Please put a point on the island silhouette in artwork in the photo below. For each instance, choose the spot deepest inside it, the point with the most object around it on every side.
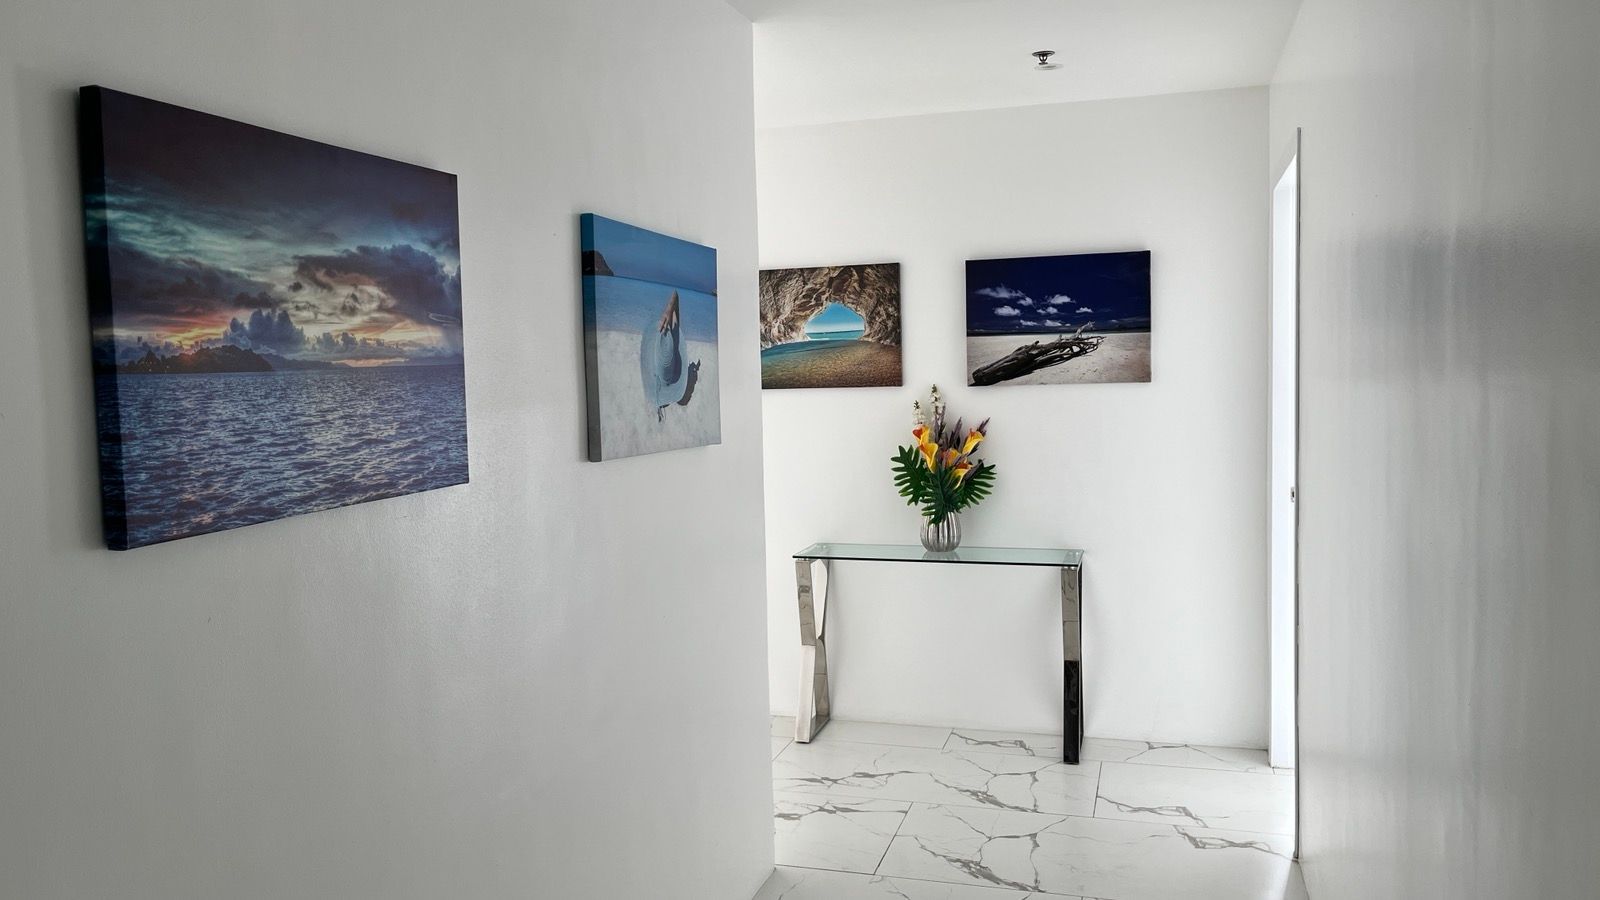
(276, 322)
(831, 326)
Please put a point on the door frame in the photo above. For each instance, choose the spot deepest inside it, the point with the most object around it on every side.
(1289, 157)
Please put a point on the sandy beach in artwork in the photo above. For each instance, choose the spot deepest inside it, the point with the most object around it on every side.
(1122, 356)
(819, 364)
(628, 424)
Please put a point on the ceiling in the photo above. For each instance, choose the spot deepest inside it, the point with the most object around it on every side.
(839, 60)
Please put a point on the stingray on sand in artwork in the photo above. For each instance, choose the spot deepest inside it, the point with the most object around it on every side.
(650, 340)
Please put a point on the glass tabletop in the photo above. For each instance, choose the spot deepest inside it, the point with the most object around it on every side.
(991, 556)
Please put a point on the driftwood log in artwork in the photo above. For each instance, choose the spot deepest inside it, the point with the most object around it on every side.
(1036, 356)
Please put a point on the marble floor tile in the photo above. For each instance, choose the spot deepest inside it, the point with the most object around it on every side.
(1011, 743)
(839, 833)
(880, 733)
(953, 777)
(783, 726)
(814, 884)
(1193, 756)
(1086, 857)
(778, 743)
(1201, 797)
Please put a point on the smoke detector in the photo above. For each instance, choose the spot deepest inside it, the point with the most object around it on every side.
(1045, 65)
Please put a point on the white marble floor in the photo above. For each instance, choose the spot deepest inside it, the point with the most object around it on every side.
(869, 811)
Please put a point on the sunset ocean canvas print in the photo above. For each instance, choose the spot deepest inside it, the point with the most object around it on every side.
(276, 322)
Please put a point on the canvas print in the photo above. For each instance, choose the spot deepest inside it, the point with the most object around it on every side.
(1076, 319)
(276, 322)
(650, 340)
(831, 326)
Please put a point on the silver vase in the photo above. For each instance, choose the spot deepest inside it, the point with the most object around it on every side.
(943, 537)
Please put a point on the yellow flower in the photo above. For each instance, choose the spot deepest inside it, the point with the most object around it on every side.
(920, 433)
(962, 470)
(974, 438)
(950, 457)
(929, 451)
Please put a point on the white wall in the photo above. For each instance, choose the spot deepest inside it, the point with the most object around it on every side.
(1164, 484)
(515, 688)
(1450, 478)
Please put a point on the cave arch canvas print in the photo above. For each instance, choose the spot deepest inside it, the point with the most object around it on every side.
(1078, 319)
(831, 326)
(650, 340)
(276, 322)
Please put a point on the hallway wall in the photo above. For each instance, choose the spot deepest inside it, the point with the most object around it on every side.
(1450, 477)
(1163, 484)
(521, 687)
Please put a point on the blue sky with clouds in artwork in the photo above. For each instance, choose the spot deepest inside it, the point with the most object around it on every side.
(1042, 294)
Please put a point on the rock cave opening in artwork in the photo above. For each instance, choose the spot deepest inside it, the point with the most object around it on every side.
(831, 326)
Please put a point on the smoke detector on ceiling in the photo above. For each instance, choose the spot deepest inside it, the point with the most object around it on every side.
(1045, 65)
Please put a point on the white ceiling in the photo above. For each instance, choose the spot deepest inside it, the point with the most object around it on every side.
(840, 60)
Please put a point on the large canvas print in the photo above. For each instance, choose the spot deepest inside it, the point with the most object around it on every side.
(276, 322)
(1074, 319)
(650, 340)
(831, 326)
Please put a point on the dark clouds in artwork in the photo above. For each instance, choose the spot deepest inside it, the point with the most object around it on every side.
(412, 281)
(222, 232)
(266, 331)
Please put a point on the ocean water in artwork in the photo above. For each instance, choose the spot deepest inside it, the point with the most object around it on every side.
(276, 322)
(650, 329)
(286, 443)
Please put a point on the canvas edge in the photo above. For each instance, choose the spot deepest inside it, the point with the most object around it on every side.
(591, 342)
(97, 271)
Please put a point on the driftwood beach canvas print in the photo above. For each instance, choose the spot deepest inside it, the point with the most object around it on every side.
(650, 340)
(1076, 319)
(831, 326)
(276, 322)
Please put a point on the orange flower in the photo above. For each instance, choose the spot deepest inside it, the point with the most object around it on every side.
(974, 438)
(920, 433)
(949, 458)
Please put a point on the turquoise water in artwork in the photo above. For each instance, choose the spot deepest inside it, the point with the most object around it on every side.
(631, 305)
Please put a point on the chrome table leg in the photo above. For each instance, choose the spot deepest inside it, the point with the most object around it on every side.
(814, 701)
(1072, 661)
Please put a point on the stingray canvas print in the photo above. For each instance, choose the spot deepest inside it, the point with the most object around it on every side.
(276, 322)
(650, 340)
(831, 326)
(1078, 319)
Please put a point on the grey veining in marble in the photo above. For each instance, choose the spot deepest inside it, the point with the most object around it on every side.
(1192, 756)
(812, 884)
(847, 835)
(1033, 852)
(1206, 798)
(1011, 743)
(953, 777)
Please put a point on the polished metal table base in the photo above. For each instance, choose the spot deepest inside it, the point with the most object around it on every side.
(814, 703)
(811, 579)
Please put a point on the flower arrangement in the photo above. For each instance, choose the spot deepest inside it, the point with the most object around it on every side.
(937, 473)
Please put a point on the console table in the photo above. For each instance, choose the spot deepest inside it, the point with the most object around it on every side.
(811, 579)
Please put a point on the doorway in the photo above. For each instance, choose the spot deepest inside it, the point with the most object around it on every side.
(1285, 418)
